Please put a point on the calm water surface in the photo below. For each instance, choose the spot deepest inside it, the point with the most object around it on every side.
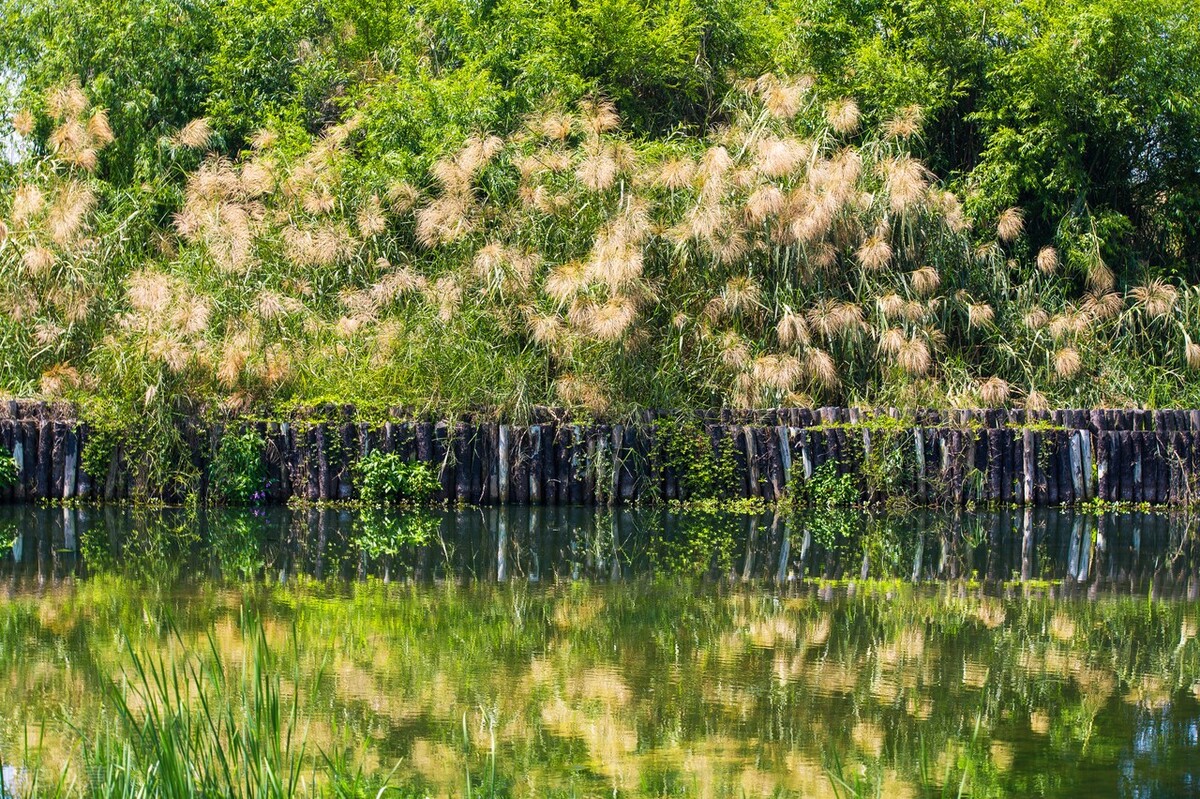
(645, 654)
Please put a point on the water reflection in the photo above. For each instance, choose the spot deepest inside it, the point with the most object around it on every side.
(664, 688)
(1140, 553)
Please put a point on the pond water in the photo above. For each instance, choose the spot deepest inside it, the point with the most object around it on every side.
(563, 652)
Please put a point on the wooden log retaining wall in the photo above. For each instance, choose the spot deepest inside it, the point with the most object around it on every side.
(1063, 457)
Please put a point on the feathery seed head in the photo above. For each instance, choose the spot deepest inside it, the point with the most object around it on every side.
(980, 314)
(874, 253)
(832, 318)
(776, 158)
(1036, 318)
(905, 123)
(23, 123)
(843, 116)
(821, 368)
(1010, 225)
(675, 173)
(1105, 305)
(1036, 401)
(779, 372)
(66, 100)
(195, 135)
(1067, 362)
(741, 293)
(98, 128)
(994, 391)
(371, 221)
(925, 281)
(891, 306)
(545, 329)
(766, 201)
(611, 319)
(906, 181)
(891, 341)
(565, 281)
(1192, 354)
(598, 170)
(792, 330)
(599, 116)
(1157, 298)
(401, 197)
(256, 179)
(914, 357)
(39, 260)
(1047, 260)
(27, 203)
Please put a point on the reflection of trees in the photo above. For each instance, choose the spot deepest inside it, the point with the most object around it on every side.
(641, 686)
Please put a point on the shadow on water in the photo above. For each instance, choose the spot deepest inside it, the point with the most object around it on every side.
(1141, 553)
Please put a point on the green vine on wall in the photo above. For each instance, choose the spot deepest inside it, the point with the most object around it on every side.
(8, 470)
(703, 472)
(239, 471)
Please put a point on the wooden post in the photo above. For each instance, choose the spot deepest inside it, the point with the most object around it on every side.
(806, 455)
(1125, 466)
(995, 464)
(1076, 455)
(70, 461)
(57, 458)
(922, 486)
(1029, 466)
(785, 456)
(536, 465)
(503, 460)
(578, 466)
(616, 457)
(751, 461)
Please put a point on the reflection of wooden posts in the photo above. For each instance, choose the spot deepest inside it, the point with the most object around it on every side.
(751, 543)
(1027, 544)
(502, 545)
(785, 551)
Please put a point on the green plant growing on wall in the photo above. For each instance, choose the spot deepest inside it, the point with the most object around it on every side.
(8, 470)
(239, 473)
(385, 478)
(827, 503)
(703, 473)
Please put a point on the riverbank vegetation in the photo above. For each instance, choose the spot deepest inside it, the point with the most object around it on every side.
(452, 206)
